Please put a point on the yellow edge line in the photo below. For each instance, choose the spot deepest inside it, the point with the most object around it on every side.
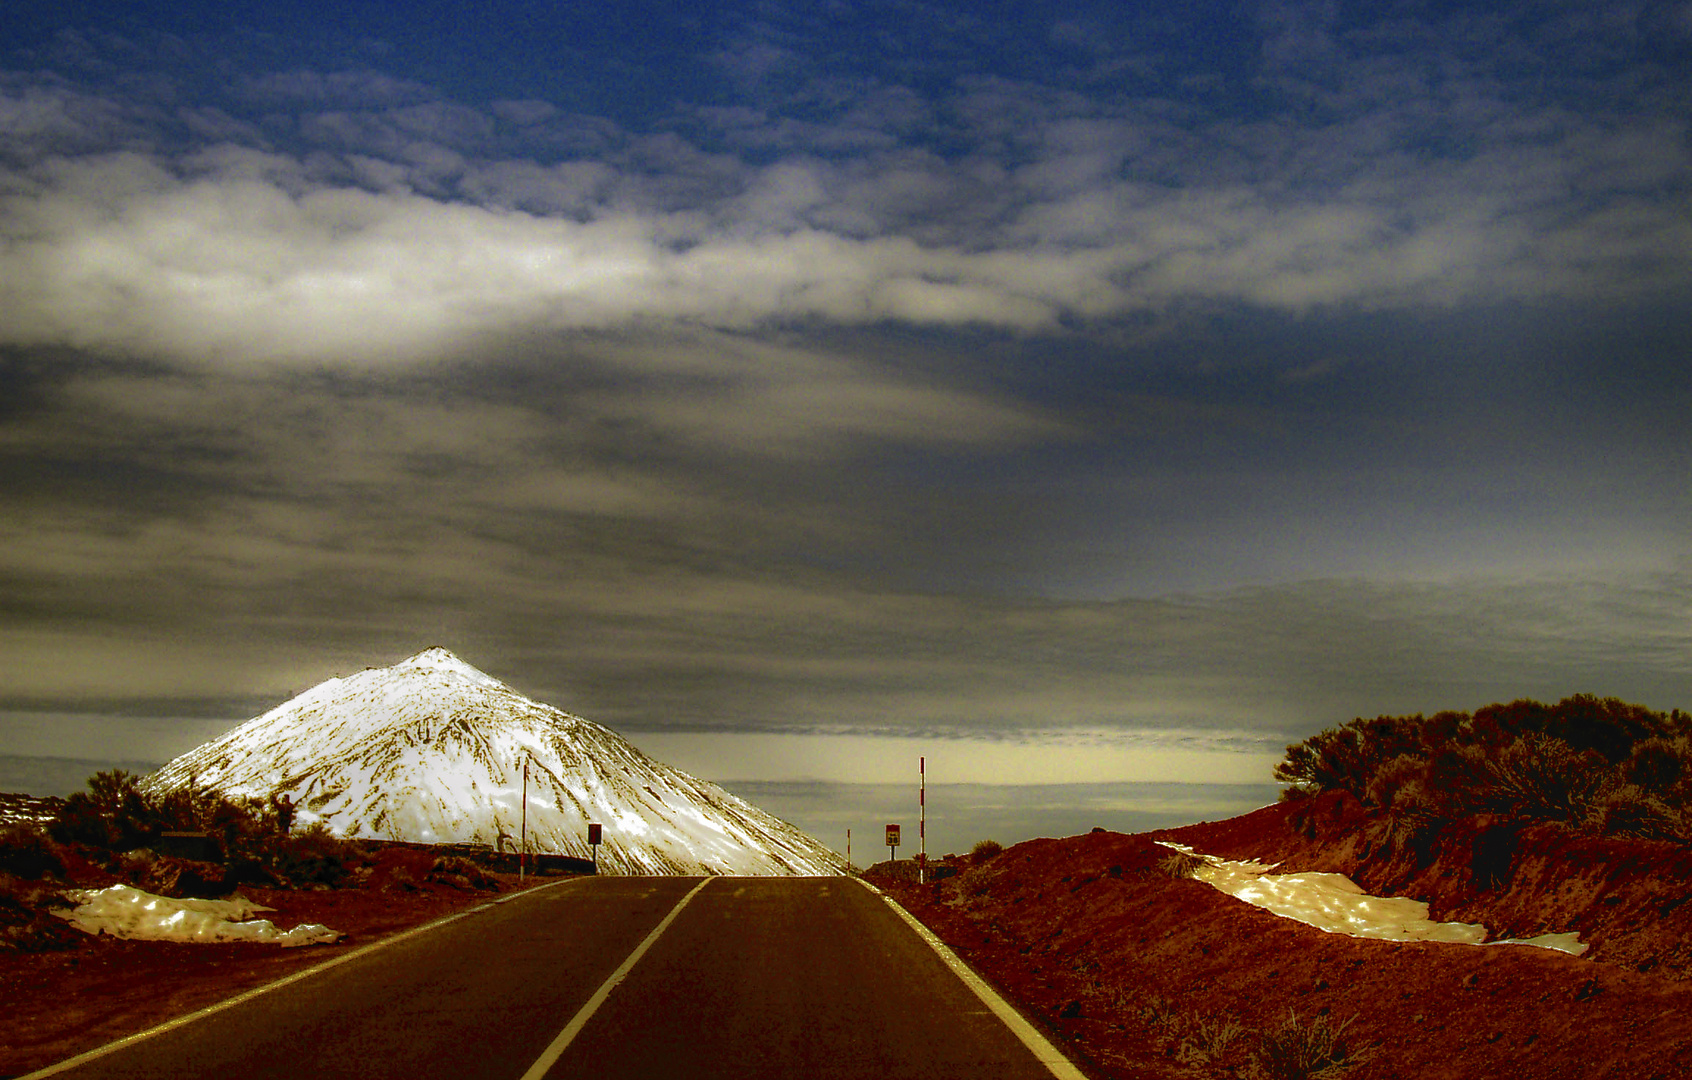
(1040, 1046)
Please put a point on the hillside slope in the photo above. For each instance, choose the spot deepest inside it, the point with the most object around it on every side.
(1626, 897)
(1148, 975)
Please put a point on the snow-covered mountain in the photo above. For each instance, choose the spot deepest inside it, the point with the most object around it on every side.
(432, 750)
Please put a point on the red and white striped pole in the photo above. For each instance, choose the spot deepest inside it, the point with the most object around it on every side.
(922, 820)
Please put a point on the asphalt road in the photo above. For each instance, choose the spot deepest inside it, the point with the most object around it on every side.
(617, 978)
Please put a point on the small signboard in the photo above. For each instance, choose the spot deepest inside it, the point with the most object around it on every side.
(593, 834)
(892, 836)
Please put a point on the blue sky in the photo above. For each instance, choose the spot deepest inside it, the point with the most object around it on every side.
(956, 372)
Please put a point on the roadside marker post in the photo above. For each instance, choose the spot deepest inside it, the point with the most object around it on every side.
(892, 842)
(922, 821)
(593, 843)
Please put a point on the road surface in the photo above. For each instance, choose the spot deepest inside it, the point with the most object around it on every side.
(616, 979)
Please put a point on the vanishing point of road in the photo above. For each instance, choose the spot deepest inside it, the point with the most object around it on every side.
(618, 979)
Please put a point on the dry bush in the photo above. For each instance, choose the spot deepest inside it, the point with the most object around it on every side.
(247, 842)
(29, 852)
(1659, 764)
(26, 922)
(985, 849)
(1209, 1040)
(459, 871)
(1181, 864)
(1569, 762)
(112, 814)
(1540, 776)
(1158, 1012)
(1414, 815)
(165, 876)
(1629, 810)
(1385, 786)
(1309, 1050)
(314, 856)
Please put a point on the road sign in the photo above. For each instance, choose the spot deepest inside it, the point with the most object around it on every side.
(892, 836)
(593, 833)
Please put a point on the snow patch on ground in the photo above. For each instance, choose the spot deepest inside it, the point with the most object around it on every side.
(1338, 905)
(127, 912)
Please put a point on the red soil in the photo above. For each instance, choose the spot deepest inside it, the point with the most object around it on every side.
(1626, 898)
(1134, 969)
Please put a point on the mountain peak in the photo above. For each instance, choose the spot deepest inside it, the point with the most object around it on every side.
(443, 660)
(431, 750)
(435, 656)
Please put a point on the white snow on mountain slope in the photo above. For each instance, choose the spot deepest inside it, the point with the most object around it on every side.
(432, 750)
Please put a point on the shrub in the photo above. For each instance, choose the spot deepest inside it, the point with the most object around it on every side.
(1313, 1050)
(184, 878)
(1323, 762)
(1607, 727)
(1347, 757)
(1544, 777)
(459, 871)
(1158, 1012)
(1627, 810)
(1181, 864)
(985, 849)
(1568, 762)
(1209, 1039)
(304, 867)
(1413, 815)
(1388, 781)
(111, 814)
(116, 815)
(1658, 764)
(28, 852)
(25, 922)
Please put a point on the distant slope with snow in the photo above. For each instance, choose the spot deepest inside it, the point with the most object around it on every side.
(432, 750)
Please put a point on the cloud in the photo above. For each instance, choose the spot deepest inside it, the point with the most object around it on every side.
(260, 594)
(355, 216)
(780, 404)
(117, 254)
(48, 115)
(121, 254)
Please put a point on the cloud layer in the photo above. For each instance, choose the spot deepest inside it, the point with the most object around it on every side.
(879, 368)
(357, 217)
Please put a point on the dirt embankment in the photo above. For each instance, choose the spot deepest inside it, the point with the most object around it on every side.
(1626, 898)
(1151, 976)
